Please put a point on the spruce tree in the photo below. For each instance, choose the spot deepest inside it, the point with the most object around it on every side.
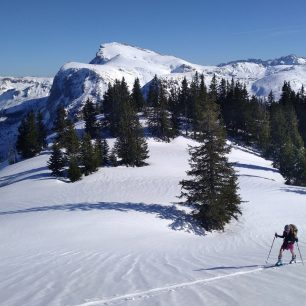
(74, 172)
(70, 139)
(88, 157)
(212, 187)
(131, 146)
(89, 113)
(159, 119)
(137, 97)
(184, 99)
(56, 161)
(60, 125)
(105, 152)
(27, 141)
(42, 131)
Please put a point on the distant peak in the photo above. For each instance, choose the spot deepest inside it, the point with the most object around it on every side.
(290, 59)
(108, 51)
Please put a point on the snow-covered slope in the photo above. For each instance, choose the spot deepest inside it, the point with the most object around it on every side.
(116, 238)
(17, 97)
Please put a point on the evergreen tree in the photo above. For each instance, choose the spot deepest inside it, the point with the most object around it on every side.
(175, 112)
(113, 157)
(105, 152)
(212, 187)
(27, 141)
(101, 149)
(60, 125)
(159, 119)
(131, 145)
(88, 157)
(56, 161)
(74, 172)
(152, 97)
(114, 99)
(184, 99)
(137, 97)
(71, 141)
(89, 113)
(42, 131)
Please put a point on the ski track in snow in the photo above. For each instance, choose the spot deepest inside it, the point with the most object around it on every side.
(171, 288)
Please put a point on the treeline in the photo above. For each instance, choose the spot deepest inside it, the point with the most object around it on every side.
(276, 128)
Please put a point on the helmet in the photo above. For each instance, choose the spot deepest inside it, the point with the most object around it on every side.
(287, 228)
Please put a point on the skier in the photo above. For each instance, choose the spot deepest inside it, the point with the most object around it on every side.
(290, 238)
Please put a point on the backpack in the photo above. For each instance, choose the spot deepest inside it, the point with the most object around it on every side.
(294, 229)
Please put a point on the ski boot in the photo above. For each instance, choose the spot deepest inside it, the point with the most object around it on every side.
(279, 262)
(293, 260)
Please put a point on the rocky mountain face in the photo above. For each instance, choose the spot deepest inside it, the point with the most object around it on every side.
(17, 97)
(76, 82)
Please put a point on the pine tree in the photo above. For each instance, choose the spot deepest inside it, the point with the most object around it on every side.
(137, 97)
(212, 187)
(89, 113)
(70, 139)
(159, 119)
(27, 141)
(175, 112)
(184, 98)
(56, 161)
(131, 145)
(114, 99)
(42, 131)
(74, 172)
(113, 157)
(60, 125)
(105, 152)
(88, 157)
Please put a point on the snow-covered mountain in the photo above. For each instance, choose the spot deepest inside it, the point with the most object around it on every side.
(17, 97)
(291, 59)
(76, 82)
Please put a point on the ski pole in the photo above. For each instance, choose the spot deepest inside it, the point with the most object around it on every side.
(270, 250)
(300, 253)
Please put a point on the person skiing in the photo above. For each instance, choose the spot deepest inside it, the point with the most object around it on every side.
(290, 238)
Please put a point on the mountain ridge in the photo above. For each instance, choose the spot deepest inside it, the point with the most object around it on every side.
(75, 82)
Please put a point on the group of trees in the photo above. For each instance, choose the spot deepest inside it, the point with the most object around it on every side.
(85, 155)
(80, 155)
(205, 113)
(32, 135)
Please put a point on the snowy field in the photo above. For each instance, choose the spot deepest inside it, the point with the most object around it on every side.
(116, 238)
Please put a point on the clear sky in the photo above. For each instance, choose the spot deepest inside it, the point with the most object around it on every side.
(39, 36)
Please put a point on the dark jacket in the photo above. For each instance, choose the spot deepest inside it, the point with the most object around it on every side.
(288, 237)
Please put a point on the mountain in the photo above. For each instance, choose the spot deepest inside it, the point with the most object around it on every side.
(76, 82)
(284, 60)
(17, 97)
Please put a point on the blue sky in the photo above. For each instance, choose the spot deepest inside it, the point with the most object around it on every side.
(38, 37)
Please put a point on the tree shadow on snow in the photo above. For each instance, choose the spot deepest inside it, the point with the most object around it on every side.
(254, 167)
(181, 221)
(299, 190)
(25, 175)
(229, 268)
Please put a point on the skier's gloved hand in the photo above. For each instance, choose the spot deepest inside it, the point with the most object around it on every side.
(276, 235)
(296, 240)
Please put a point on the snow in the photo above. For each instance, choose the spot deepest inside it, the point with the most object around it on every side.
(118, 238)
